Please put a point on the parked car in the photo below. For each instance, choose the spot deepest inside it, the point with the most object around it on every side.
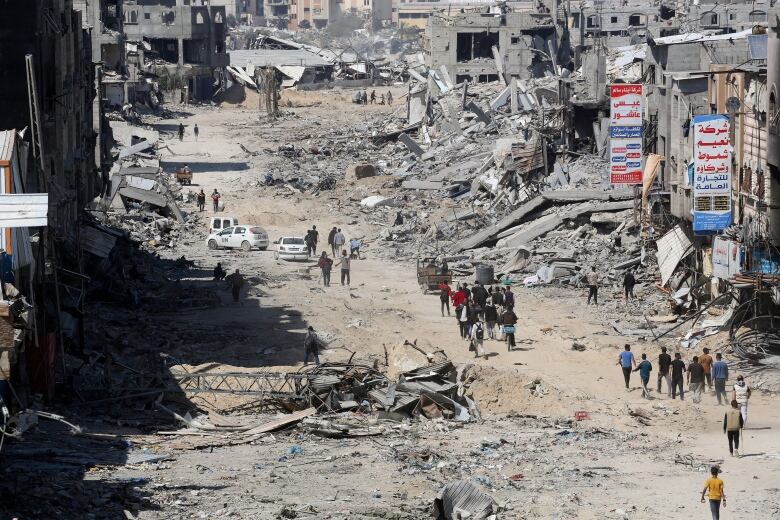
(245, 237)
(291, 248)
(217, 224)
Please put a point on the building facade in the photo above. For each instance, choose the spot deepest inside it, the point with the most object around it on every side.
(468, 42)
(182, 44)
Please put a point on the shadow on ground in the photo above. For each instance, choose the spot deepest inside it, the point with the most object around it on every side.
(137, 346)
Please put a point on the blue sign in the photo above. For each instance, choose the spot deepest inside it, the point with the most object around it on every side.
(625, 132)
(707, 223)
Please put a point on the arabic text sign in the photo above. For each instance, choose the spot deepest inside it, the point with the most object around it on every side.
(711, 173)
(625, 155)
(625, 105)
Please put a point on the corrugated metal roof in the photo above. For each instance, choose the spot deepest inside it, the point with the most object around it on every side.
(466, 497)
(705, 36)
(7, 141)
(672, 248)
(97, 242)
(275, 58)
(436, 368)
(24, 210)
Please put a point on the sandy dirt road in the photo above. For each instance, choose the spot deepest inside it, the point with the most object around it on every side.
(382, 308)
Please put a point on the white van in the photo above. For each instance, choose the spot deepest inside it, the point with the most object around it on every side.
(217, 224)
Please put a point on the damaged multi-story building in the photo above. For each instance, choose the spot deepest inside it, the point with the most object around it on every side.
(180, 43)
(482, 44)
(773, 122)
(47, 89)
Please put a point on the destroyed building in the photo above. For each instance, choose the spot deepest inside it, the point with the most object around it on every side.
(50, 173)
(183, 45)
(480, 45)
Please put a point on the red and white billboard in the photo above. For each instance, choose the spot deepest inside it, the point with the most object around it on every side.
(625, 104)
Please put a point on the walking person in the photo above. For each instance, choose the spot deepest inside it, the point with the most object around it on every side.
(236, 283)
(315, 238)
(444, 297)
(732, 427)
(389, 98)
(464, 315)
(706, 362)
(627, 362)
(331, 243)
(509, 298)
(628, 285)
(181, 131)
(196, 131)
(339, 240)
(354, 248)
(307, 241)
(592, 278)
(311, 346)
(713, 487)
(498, 299)
(215, 200)
(696, 379)
(475, 311)
(345, 266)
(325, 264)
(478, 339)
(720, 374)
(491, 317)
(664, 364)
(741, 393)
(508, 323)
(678, 376)
(644, 368)
(201, 200)
(459, 298)
(373, 97)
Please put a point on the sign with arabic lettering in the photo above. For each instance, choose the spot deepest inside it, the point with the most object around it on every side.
(625, 155)
(711, 173)
(625, 104)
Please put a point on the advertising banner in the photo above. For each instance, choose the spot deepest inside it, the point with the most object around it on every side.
(625, 133)
(625, 105)
(711, 173)
(625, 155)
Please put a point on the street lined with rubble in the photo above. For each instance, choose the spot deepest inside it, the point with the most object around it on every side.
(277, 259)
(627, 458)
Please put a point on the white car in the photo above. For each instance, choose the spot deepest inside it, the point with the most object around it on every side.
(245, 237)
(291, 248)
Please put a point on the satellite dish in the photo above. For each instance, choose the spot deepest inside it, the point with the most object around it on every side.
(732, 104)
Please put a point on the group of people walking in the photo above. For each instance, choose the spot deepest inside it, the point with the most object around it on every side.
(593, 282)
(215, 196)
(365, 98)
(478, 312)
(235, 280)
(702, 372)
(337, 242)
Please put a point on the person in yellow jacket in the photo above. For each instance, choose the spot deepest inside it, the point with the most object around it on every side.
(714, 489)
(732, 426)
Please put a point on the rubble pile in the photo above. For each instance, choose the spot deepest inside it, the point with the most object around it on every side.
(461, 174)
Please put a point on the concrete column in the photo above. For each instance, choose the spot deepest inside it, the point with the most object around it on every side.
(181, 51)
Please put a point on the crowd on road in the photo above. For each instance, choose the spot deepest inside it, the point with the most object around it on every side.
(481, 312)
(702, 372)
